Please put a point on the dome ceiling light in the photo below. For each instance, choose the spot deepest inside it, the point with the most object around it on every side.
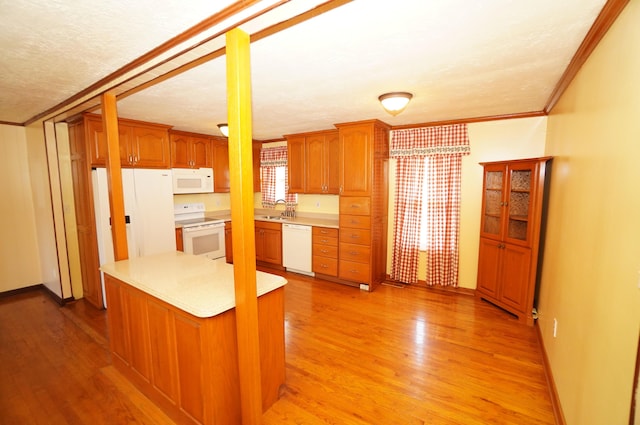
(395, 102)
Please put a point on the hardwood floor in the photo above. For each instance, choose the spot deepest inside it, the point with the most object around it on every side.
(393, 356)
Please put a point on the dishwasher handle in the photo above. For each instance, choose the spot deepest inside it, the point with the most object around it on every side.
(296, 227)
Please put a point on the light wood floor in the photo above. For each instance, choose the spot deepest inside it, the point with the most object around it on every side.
(393, 356)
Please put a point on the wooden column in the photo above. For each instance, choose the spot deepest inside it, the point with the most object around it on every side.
(244, 249)
(114, 176)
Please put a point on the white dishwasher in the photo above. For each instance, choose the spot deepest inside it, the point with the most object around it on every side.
(296, 248)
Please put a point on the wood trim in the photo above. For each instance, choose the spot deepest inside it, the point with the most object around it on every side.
(471, 120)
(423, 285)
(553, 390)
(12, 292)
(603, 22)
(325, 7)
(634, 390)
(17, 124)
(231, 10)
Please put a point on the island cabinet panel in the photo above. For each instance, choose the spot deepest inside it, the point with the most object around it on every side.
(193, 361)
(163, 348)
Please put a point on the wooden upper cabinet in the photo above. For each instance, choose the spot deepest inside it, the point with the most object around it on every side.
(356, 151)
(150, 147)
(296, 163)
(142, 145)
(190, 150)
(313, 161)
(322, 162)
(221, 178)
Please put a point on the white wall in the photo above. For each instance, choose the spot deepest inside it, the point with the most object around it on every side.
(490, 141)
(19, 253)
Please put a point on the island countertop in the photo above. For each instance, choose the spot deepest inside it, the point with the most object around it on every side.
(197, 285)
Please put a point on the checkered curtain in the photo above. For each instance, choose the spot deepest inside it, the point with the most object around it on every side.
(444, 146)
(270, 159)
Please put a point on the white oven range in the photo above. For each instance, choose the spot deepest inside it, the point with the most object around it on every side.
(200, 235)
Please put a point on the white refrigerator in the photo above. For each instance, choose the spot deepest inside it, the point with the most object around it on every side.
(148, 205)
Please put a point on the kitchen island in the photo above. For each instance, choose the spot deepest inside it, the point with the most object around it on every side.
(172, 332)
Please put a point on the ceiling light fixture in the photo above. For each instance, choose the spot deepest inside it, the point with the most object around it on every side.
(224, 129)
(395, 102)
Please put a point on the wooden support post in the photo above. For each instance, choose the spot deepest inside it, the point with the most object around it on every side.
(114, 176)
(244, 249)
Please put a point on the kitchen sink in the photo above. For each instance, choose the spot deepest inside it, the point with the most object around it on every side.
(271, 217)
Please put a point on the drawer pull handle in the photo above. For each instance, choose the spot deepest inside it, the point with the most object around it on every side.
(324, 251)
(353, 252)
(353, 271)
(324, 266)
(355, 236)
(324, 241)
(354, 221)
(324, 232)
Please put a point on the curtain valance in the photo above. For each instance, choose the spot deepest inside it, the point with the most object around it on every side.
(273, 157)
(430, 141)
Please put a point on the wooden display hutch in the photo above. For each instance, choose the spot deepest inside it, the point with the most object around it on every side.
(510, 230)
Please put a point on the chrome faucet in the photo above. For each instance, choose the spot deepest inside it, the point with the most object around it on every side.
(289, 211)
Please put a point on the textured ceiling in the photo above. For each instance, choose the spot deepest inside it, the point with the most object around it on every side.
(459, 58)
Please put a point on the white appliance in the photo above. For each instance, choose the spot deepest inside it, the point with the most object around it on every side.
(200, 235)
(148, 205)
(296, 248)
(192, 180)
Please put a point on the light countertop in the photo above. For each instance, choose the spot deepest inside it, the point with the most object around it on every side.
(197, 285)
(309, 219)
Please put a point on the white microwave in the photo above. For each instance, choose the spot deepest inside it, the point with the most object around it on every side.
(192, 180)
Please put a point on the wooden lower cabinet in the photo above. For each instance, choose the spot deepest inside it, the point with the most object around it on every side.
(179, 240)
(325, 251)
(189, 365)
(269, 242)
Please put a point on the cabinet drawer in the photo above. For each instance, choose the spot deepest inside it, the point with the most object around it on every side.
(325, 250)
(325, 231)
(324, 265)
(325, 240)
(356, 272)
(351, 252)
(358, 236)
(355, 221)
(356, 205)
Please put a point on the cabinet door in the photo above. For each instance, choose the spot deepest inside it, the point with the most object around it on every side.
(332, 163)
(315, 167)
(516, 263)
(355, 165)
(150, 147)
(489, 267)
(97, 142)
(221, 178)
(180, 151)
(272, 246)
(295, 164)
(201, 153)
(259, 244)
(493, 202)
(520, 195)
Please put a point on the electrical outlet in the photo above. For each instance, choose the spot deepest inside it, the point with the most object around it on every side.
(318, 204)
(555, 327)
